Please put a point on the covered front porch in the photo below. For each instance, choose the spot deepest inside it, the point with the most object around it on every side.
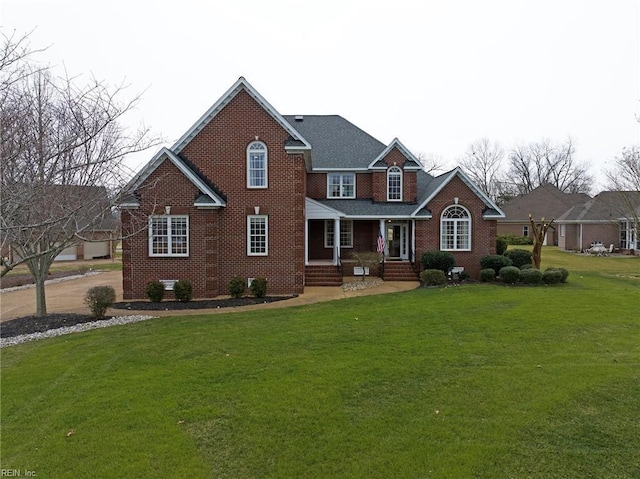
(331, 238)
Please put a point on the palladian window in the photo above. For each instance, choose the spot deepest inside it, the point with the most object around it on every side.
(455, 229)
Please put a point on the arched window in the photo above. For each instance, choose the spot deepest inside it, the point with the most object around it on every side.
(455, 229)
(257, 165)
(394, 184)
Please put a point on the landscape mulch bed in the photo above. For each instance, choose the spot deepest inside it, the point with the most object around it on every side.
(33, 324)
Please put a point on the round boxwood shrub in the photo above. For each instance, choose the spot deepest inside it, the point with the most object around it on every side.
(526, 266)
(531, 276)
(155, 291)
(259, 287)
(565, 273)
(433, 277)
(495, 262)
(519, 257)
(441, 260)
(487, 275)
(236, 286)
(552, 276)
(183, 290)
(99, 299)
(509, 274)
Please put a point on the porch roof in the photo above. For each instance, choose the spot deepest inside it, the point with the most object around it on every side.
(367, 209)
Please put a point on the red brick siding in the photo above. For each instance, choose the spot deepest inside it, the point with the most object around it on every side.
(483, 232)
(171, 188)
(219, 238)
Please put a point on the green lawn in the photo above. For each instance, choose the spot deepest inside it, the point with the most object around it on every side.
(469, 381)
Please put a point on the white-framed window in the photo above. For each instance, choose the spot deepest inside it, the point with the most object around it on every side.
(346, 233)
(257, 157)
(341, 185)
(394, 184)
(257, 235)
(455, 229)
(169, 235)
(525, 231)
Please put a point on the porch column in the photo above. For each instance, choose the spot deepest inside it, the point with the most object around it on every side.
(306, 242)
(336, 240)
(413, 240)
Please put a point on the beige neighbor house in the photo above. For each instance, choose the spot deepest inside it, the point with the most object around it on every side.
(547, 202)
(610, 218)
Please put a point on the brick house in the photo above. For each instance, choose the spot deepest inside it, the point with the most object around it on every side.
(546, 201)
(610, 218)
(249, 192)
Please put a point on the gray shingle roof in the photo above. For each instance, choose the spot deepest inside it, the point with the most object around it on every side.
(606, 206)
(545, 201)
(336, 143)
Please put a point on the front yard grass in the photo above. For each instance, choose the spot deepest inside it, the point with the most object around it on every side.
(468, 381)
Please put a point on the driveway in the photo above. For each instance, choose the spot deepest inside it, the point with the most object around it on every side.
(67, 296)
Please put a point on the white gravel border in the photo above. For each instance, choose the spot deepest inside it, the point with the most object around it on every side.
(78, 328)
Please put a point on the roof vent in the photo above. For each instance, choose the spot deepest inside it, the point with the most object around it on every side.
(299, 118)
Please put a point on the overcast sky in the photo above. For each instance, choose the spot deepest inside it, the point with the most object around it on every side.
(436, 74)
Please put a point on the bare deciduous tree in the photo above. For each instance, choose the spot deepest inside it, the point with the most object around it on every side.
(62, 147)
(624, 178)
(483, 163)
(431, 163)
(540, 163)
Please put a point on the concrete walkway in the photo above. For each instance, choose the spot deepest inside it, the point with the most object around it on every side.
(68, 297)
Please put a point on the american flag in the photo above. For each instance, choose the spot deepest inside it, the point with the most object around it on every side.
(380, 247)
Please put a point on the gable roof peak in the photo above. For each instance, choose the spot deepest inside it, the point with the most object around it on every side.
(241, 84)
(412, 162)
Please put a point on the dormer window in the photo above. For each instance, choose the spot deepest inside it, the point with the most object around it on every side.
(257, 165)
(394, 184)
(341, 185)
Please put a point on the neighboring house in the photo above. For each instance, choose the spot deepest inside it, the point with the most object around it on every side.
(83, 210)
(249, 192)
(609, 218)
(546, 201)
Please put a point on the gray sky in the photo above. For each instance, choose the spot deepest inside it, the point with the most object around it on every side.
(436, 74)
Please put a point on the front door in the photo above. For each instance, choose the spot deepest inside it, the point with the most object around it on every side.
(397, 240)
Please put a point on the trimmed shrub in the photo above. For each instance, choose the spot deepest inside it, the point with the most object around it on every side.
(433, 277)
(259, 287)
(236, 287)
(565, 273)
(509, 274)
(487, 275)
(519, 257)
(441, 260)
(501, 244)
(99, 299)
(183, 290)
(516, 240)
(495, 262)
(530, 276)
(552, 276)
(526, 266)
(155, 291)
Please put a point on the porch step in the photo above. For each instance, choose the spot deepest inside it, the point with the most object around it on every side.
(399, 271)
(322, 275)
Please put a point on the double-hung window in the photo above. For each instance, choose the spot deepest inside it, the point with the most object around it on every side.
(257, 235)
(394, 184)
(341, 185)
(257, 165)
(346, 234)
(169, 236)
(455, 229)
